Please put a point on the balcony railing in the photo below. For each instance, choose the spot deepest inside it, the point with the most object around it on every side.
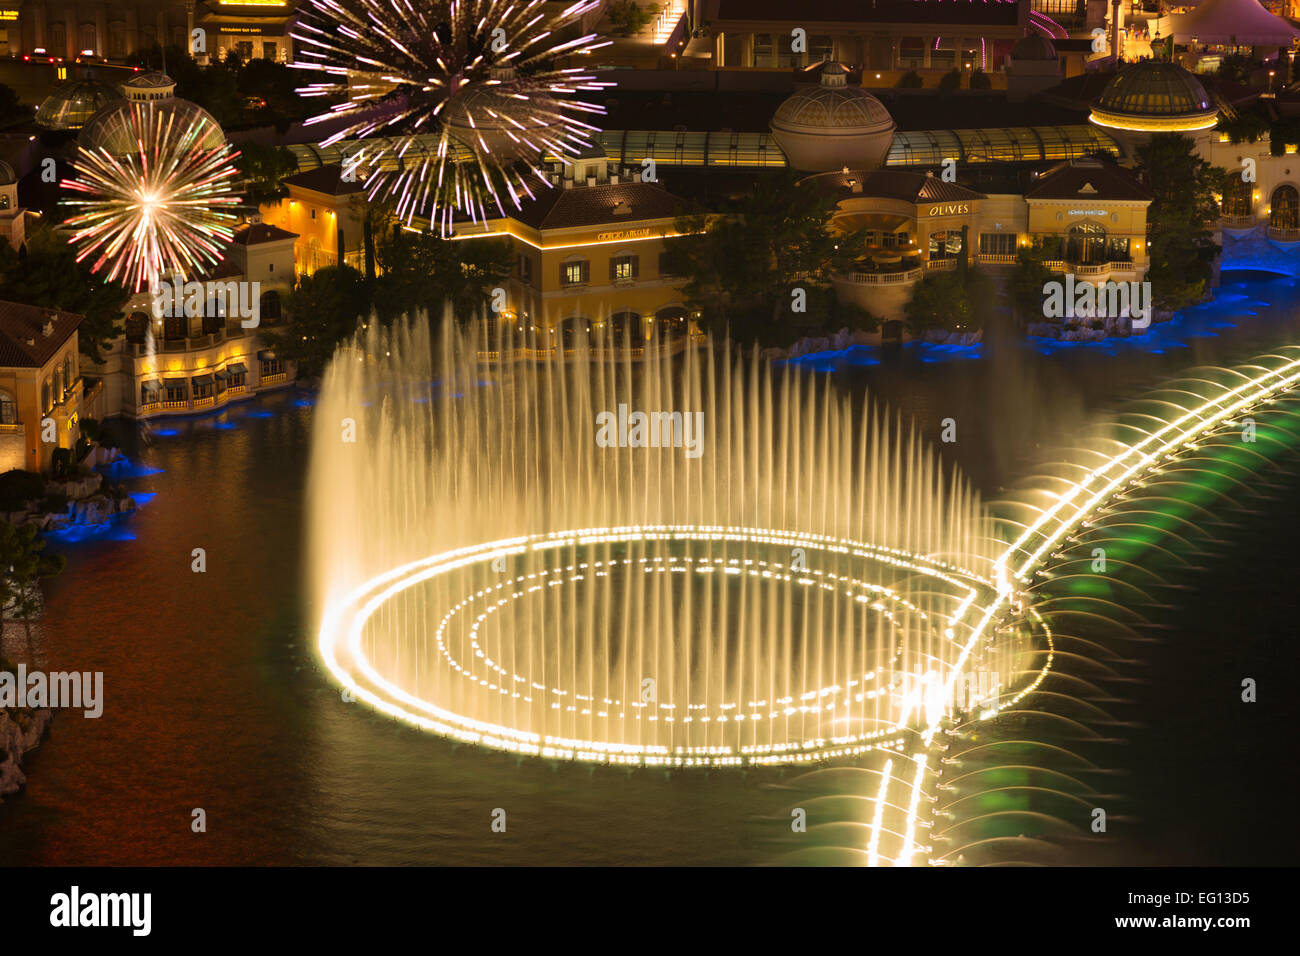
(883, 278)
(1284, 235)
(273, 379)
(1236, 222)
(1089, 269)
(941, 265)
(998, 258)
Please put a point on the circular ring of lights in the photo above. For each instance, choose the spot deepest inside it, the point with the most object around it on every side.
(965, 631)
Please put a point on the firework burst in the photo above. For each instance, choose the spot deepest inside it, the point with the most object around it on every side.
(156, 193)
(456, 101)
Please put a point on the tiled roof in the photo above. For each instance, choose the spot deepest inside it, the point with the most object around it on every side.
(253, 233)
(1088, 179)
(225, 269)
(23, 342)
(324, 179)
(897, 184)
(610, 204)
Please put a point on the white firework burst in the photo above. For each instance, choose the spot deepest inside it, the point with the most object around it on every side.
(157, 195)
(456, 101)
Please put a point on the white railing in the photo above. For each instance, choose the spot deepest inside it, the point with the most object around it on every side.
(998, 258)
(1236, 222)
(883, 278)
(941, 265)
(1284, 235)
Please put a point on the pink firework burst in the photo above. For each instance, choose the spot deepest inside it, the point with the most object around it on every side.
(452, 103)
(157, 194)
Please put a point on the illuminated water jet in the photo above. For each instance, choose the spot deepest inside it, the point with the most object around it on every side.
(489, 570)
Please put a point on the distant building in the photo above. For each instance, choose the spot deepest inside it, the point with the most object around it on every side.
(40, 385)
(180, 364)
(588, 252)
(113, 31)
(324, 211)
(13, 219)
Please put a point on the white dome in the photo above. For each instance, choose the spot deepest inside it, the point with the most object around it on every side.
(833, 125)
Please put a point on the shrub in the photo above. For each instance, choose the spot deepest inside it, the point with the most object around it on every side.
(950, 81)
(627, 17)
(18, 487)
(979, 80)
(61, 463)
(911, 80)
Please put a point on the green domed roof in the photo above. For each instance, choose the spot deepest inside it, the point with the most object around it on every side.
(71, 105)
(1155, 88)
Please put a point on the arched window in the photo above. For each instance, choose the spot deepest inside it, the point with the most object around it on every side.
(174, 328)
(670, 323)
(1284, 208)
(69, 374)
(58, 385)
(1085, 244)
(270, 308)
(45, 395)
(625, 329)
(137, 327)
(1236, 196)
(575, 332)
(8, 409)
(214, 314)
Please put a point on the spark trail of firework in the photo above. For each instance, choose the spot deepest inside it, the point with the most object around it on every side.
(479, 74)
(159, 209)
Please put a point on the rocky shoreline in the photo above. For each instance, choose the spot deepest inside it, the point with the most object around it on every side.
(21, 731)
(847, 338)
(89, 500)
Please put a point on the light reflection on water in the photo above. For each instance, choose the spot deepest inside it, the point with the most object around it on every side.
(214, 700)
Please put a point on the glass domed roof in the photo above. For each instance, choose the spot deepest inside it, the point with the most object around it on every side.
(834, 105)
(1155, 88)
(71, 105)
(116, 127)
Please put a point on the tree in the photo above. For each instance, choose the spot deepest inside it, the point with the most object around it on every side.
(760, 270)
(12, 109)
(628, 17)
(23, 565)
(911, 80)
(1027, 280)
(45, 272)
(263, 168)
(950, 81)
(322, 311)
(948, 302)
(424, 272)
(1181, 249)
(979, 80)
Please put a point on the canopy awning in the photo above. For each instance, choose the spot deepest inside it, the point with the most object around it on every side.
(1228, 22)
(236, 368)
(174, 382)
(201, 380)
